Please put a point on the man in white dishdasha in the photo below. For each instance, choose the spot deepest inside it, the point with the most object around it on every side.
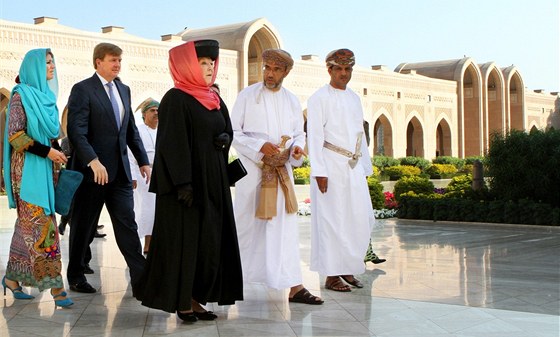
(341, 210)
(269, 139)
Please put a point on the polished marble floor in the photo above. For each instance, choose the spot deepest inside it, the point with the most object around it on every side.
(441, 279)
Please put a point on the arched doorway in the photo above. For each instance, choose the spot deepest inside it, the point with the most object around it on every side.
(472, 124)
(443, 139)
(495, 106)
(383, 137)
(516, 102)
(414, 138)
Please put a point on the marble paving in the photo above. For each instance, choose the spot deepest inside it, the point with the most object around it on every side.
(440, 279)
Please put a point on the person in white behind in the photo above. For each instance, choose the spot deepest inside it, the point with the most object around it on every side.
(144, 200)
(341, 210)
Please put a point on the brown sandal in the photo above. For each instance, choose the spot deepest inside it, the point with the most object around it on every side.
(350, 279)
(336, 284)
(304, 296)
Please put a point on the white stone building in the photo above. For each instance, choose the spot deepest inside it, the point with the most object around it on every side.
(448, 107)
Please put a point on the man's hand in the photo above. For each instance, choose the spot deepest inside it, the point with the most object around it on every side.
(146, 172)
(298, 152)
(270, 149)
(134, 184)
(100, 175)
(57, 156)
(322, 183)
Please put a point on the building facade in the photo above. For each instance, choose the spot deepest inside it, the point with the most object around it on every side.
(427, 109)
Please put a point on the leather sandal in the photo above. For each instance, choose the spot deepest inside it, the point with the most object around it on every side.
(305, 297)
(336, 284)
(350, 279)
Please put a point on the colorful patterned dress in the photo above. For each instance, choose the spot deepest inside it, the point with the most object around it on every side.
(34, 259)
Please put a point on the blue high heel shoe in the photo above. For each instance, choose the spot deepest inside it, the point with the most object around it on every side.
(17, 292)
(62, 303)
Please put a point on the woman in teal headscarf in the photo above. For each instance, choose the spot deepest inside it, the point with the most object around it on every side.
(31, 152)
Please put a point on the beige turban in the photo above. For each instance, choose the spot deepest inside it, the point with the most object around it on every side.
(278, 56)
(147, 104)
(340, 57)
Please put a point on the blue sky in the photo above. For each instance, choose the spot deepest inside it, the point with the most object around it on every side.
(525, 33)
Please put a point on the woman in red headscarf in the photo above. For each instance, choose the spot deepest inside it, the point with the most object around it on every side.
(194, 254)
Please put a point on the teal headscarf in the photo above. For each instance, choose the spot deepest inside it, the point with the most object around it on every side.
(38, 97)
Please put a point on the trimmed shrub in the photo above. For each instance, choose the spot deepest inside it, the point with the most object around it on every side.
(301, 175)
(376, 193)
(415, 161)
(415, 184)
(525, 211)
(396, 172)
(457, 162)
(467, 169)
(383, 161)
(437, 171)
(525, 166)
(459, 187)
(470, 160)
(376, 172)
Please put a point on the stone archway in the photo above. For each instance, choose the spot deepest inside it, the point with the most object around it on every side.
(494, 88)
(414, 138)
(494, 102)
(516, 102)
(383, 137)
(258, 43)
(472, 123)
(443, 139)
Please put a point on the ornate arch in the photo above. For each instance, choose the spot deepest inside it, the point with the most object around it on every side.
(249, 39)
(515, 98)
(493, 89)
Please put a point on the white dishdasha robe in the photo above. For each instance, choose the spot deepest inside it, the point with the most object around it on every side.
(341, 218)
(144, 201)
(269, 248)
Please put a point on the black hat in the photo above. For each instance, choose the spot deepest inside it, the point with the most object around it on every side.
(207, 48)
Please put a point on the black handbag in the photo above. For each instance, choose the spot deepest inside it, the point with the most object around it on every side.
(235, 171)
(68, 183)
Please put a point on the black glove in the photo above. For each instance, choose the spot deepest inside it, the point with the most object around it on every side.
(221, 141)
(185, 194)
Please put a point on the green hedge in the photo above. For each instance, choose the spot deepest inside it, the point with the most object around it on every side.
(419, 162)
(525, 166)
(470, 210)
(457, 162)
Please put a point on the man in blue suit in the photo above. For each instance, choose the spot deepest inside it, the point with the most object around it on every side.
(100, 127)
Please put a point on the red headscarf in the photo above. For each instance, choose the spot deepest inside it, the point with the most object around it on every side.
(187, 75)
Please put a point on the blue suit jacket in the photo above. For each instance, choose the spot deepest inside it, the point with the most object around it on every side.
(93, 132)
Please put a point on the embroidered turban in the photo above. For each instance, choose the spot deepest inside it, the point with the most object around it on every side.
(340, 57)
(147, 104)
(278, 56)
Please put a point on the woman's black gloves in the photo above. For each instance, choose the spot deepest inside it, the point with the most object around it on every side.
(185, 194)
(221, 141)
